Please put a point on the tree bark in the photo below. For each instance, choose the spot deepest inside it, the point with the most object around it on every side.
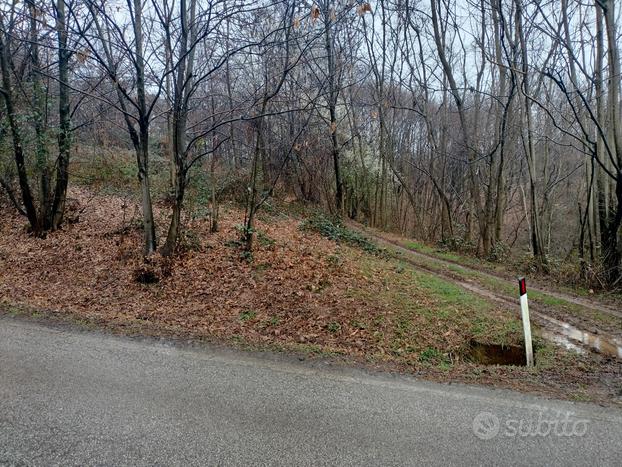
(64, 133)
(18, 150)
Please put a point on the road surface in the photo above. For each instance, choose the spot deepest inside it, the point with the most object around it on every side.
(86, 398)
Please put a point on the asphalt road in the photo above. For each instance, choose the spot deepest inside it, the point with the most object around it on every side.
(85, 398)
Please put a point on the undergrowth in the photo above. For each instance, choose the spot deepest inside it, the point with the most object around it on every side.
(333, 229)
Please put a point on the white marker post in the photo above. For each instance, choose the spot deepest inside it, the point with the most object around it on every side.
(524, 310)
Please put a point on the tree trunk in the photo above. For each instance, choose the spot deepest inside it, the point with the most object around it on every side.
(613, 247)
(142, 153)
(64, 134)
(38, 102)
(333, 94)
(18, 151)
(536, 228)
(475, 207)
(182, 88)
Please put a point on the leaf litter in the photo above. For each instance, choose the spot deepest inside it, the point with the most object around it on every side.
(300, 292)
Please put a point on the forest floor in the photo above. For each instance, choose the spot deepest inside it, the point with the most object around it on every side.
(300, 293)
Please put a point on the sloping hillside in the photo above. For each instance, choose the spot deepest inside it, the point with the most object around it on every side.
(300, 291)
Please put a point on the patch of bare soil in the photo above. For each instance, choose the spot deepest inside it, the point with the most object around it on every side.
(301, 292)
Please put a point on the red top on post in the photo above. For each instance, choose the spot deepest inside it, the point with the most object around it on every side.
(522, 286)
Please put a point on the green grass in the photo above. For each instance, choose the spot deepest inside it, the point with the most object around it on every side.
(434, 357)
(428, 312)
(506, 288)
(459, 270)
(421, 247)
(247, 315)
(442, 254)
(548, 299)
(451, 294)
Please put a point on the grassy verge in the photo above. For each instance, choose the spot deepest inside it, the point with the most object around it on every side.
(431, 319)
(506, 288)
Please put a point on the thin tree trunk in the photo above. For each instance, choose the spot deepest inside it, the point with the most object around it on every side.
(41, 150)
(474, 186)
(64, 134)
(18, 151)
(333, 95)
(536, 231)
(150, 243)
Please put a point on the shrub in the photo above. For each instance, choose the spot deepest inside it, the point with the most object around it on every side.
(333, 229)
(265, 240)
(499, 252)
(457, 243)
(188, 241)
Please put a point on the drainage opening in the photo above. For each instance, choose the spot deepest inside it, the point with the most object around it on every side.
(495, 354)
(146, 276)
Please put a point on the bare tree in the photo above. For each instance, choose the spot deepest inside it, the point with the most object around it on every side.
(31, 76)
(123, 60)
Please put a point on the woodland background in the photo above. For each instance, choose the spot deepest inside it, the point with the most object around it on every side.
(490, 127)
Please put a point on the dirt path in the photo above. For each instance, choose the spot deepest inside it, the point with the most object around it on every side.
(591, 304)
(554, 322)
